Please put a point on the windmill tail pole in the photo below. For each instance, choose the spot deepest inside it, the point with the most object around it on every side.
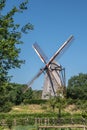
(60, 49)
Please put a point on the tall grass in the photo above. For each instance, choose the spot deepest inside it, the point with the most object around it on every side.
(21, 127)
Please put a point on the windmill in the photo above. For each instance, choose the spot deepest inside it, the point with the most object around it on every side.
(54, 82)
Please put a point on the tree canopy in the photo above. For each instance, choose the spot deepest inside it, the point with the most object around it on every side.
(77, 87)
(10, 36)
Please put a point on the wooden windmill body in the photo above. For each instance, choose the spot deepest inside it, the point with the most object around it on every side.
(57, 77)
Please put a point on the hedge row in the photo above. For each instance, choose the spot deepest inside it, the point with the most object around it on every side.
(41, 115)
(20, 116)
(39, 101)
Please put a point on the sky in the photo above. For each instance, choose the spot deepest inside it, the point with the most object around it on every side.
(54, 21)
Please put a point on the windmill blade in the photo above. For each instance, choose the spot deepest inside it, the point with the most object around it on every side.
(60, 49)
(40, 53)
(35, 77)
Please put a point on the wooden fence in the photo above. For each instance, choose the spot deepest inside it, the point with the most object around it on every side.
(64, 126)
(49, 123)
(44, 123)
(60, 121)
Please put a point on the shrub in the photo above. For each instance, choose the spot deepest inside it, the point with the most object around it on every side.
(1, 128)
(39, 101)
(6, 108)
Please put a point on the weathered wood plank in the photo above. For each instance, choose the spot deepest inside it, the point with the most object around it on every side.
(64, 126)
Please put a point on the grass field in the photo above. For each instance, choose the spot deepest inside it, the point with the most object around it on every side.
(32, 108)
(35, 128)
(21, 127)
(27, 109)
(25, 128)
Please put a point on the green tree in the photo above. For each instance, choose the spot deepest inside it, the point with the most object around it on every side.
(60, 104)
(52, 103)
(37, 94)
(10, 37)
(28, 94)
(57, 102)
(5, 105)
(77, 87)
(16, 93)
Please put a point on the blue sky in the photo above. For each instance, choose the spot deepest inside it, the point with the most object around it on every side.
(54, 21)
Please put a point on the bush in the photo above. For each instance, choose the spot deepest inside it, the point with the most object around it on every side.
(6, 108)
(9, 123)
(84, 114)
(1, 128)
(39, 101)
(71, 101)
(44, 107)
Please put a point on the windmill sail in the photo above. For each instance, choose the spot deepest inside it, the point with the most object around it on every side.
(40, 53)
(60, 49)
(36, 76)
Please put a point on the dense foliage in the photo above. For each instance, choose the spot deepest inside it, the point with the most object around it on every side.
(15, 94)
(10, 37)
(77, 87)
